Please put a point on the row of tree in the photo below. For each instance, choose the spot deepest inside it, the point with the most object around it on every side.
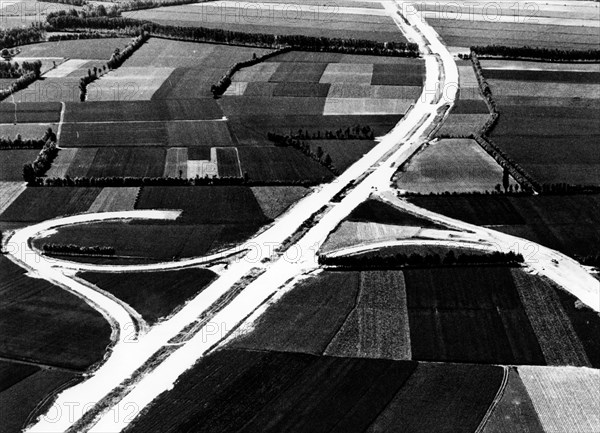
(356, 132)
(20, 83)
(63, 20)
(43, 162)
(552, 54)
(321, 157)
(67, 2)
(127, 181)
(19, 143)
(16, 70)
(225, 81)
(82, 35)
(20, 36)
(401, 260)
(78, 249)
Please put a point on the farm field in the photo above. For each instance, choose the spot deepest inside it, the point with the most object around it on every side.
(27, 130)
(38, 204)
(280, 164)
(274, 18)
(228, 162)
(466, 33)
(117, 161)
(566, 223)
(553, 140)
(128, 83)
(46, 324)
(115, 199)
(153, 294)
(274, 200)
(26, 387)
(91, 49)
(9, 191)
(452, 165)
(377, 211)
(30, 112)
(343, 153)
(565, 398)
(210, 133)
(12, 161)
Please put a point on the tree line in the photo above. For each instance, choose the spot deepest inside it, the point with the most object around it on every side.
(44, 159)
(319, 155)
(78, 249)
(401, 260)
(63, 20)
(16, 70)
(19, 143)
(82, 35)
(23, 81)
(356, 132)
(67, 2)
(552, 54)
(20, 36)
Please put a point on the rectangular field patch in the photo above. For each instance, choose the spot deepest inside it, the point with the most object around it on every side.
(115, 199)
(365, 106)
(228, 162)
(351, 73)
(176, 162)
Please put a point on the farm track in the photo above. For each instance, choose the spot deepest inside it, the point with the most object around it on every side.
(128, 363)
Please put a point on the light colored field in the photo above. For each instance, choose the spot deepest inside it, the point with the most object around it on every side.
(128, 83)
(462, 125)
(361, 73)
(258, 72)
(522, 65)
(176, 161)
(236, 89)
(566, 399)
(466, 76)
(9, 191)
(27, 130)
(298, 8)
(115, 199)
(459, 165)
(347, 90)
(273, 200)
(352, 233)
(66, 68)
(544, 89)
(378, 325)
(580, 13)
(366, 106)
(201, 168)
(60, 166)
(556, 336)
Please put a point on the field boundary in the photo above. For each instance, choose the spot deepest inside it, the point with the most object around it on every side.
(496, 401)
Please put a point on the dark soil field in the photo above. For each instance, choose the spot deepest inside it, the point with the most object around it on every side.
(46, 324)
(38, 204)
(300, 89)
(12, 160)
(234, 106)
(127, 161)
(141, 243)
(283, 164)
(398, 75)
(156, 110)
(227, 162)
(549, 76)
(343, 153)
(301, 72)
(174, 134)
(274, 200)
(567, 223)
(26, 391)
(237, 390)
(153, 294)
(30, 112)
(469, 314)
(100, 49)
(377, 211)
(470, 106)
(205, 204)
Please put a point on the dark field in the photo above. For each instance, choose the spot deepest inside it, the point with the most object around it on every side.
(234, 106)
(283, 164)
(27, 387)
(12, 160)
(377, 211)
(550, 76)
(227, 162)
(236, 390)
(398, 75)
(205, 204)
(470, 106)
(469, 315)
(343, 153)
(38, 204)
(301, 72)
(294, 89)
(46, 324)
(78, 49)
(125, 161)
(174, 134)
(140, 243)
(569, 224)
(30, 112)
(153, 294)
(127, 111)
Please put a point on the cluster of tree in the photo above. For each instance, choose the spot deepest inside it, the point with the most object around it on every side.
(19, 143)
(82, 35)
(63, 20)
(567, 189)
(97, 250)
(14, 70)
(20, 36)
(39, 167)
(225, 81)
(88, 13)
(67, 2)
(116, 60)
(401, 260)
(137, 5)
(556, 54)
(356, 132)
(20, 83)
